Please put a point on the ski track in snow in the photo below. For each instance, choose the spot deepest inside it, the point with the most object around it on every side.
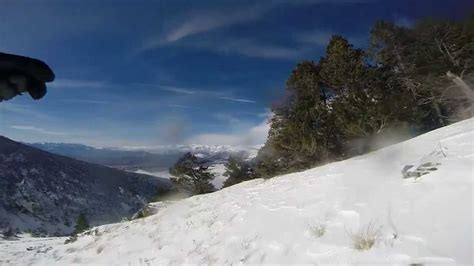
(425, 220)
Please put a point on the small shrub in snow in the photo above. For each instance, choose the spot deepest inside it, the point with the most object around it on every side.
(71, 239)
(366, 237)
(144, 212)
(318, 229)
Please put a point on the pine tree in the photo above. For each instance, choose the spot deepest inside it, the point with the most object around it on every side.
(192, 175)
(81, 225)
(301, 133)
(238, 170)
(415, 79)
(433, 62)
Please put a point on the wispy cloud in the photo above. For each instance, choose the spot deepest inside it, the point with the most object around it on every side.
(217, 94)
(177, 90)
(74, 83)
(86, 101)
(181, 106)
(196, 22)
(209, 21)
(167, 88)
(237, 100)
(23, 110)
(38, 130)
(252, 48)
(200, 21)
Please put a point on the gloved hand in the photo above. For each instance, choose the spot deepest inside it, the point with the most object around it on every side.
(20, 74)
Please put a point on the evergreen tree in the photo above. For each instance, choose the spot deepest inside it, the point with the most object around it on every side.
(238, 170)
(192, 175)
(433, 62)
(298, 136)
(81, 225)
(413, 78)
(343, 67)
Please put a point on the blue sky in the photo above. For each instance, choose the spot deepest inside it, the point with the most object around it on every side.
(142, 73)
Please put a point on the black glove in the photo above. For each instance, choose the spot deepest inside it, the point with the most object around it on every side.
(19, 74)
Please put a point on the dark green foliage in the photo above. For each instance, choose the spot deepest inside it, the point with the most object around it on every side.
(300, 122)
(416, 79)
(161, 194)
(192, 175)
(238, 170)
(81, 225)
(144, 212)
(434, 63)
(343, 68)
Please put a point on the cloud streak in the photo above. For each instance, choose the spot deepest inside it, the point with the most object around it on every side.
(236, 100)
(181, 106)
(86, 101)
(251, 48)
(73, 83)
(38, 130)
(208, 93)
(177, 90)
(198, 22)
(210, 21)
(24, 111)
(202, 21)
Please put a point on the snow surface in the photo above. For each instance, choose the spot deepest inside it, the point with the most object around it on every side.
(218, 170)
(424, 220)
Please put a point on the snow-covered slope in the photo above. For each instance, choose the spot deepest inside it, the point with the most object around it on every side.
(307, 217)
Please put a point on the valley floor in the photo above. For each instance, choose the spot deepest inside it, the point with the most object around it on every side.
(311, 217)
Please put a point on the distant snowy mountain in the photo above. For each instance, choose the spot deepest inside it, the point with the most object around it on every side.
(46, 192)
(130, 160)
(407, 204)
(155, 160)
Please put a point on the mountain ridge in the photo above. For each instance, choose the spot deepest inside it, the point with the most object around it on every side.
(45, 192)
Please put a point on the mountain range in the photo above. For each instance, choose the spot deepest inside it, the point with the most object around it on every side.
(149, 159)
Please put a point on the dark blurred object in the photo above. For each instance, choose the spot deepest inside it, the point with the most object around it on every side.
(19, 74)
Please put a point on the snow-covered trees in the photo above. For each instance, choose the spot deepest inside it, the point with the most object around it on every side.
(192, 175)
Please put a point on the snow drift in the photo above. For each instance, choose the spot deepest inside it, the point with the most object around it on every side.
(308, 217)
